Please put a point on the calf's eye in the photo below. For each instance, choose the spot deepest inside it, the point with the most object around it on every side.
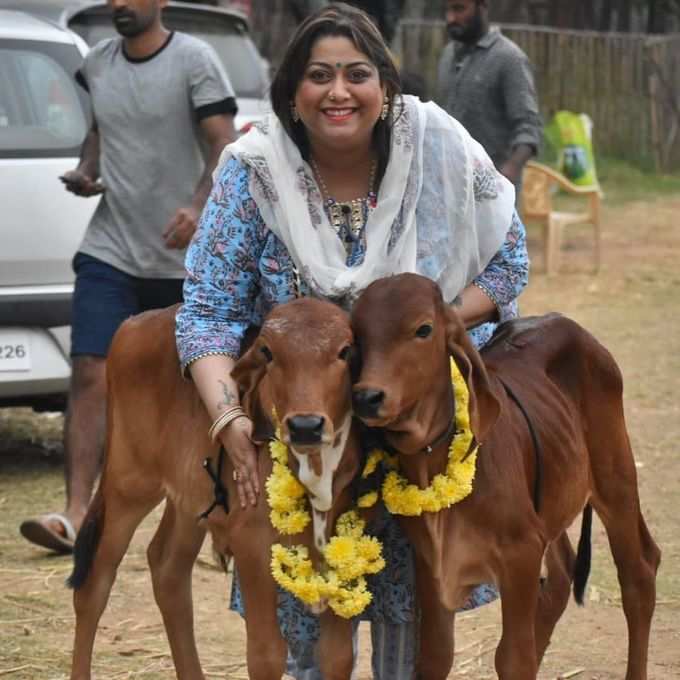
(267, 353)
(345, 353)
(424, 331)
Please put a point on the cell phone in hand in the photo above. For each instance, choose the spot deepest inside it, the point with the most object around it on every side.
(77, 184)
(73, 181)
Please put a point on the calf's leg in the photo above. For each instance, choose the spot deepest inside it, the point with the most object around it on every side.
(266, 648)
(101, 544)
(519, 586)
(554, 592)
(172, 554)
(436, 643)
(616, 501)
(635, 553)
(336, 656)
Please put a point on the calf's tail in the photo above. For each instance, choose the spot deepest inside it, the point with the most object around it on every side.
(87, 542)
(583, 555)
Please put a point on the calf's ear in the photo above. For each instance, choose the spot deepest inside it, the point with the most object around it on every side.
(248, 373)
(484, 406)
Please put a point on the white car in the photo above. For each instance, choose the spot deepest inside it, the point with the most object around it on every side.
(226, 30)
(43, 121)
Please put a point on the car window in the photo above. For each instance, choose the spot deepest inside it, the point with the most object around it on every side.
(233, 45)
(236, 51)
(41, 112)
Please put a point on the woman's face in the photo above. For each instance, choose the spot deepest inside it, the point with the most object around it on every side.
(339, 98)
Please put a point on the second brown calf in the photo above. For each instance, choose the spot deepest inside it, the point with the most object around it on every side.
(515, 519)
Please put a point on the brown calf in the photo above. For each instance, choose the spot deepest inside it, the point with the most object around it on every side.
(571, 390)
(156, 443)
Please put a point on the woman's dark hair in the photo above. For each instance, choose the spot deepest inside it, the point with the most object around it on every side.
(338, 19)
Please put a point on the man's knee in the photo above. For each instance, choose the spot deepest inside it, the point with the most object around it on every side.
(88, 376)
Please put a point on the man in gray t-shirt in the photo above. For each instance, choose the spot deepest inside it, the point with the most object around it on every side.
(150, 113)
(163, 110)
(486, 83)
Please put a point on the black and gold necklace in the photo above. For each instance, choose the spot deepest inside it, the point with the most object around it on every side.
(349, 214)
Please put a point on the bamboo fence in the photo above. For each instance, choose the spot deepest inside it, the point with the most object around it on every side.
(629, 84)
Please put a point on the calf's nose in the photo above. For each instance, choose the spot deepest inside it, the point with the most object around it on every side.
(366, 402)
(305, 429)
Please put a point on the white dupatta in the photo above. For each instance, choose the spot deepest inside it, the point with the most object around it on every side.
(443, 209)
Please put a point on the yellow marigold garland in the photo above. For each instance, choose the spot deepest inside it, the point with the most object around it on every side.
(285, 494)
(368, 500)
(348, 557)
(452, 486)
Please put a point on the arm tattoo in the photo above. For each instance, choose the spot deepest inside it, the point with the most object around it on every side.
(229, 397)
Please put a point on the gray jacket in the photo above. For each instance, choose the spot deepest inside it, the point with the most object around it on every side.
(489, 88)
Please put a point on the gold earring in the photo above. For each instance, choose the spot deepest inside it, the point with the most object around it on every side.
(385, 108)
(294, 113)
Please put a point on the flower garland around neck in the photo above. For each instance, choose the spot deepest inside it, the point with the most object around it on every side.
(447, 488)
(348, 557)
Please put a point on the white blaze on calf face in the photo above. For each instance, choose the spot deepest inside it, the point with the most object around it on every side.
(320, 521)
(320, 486)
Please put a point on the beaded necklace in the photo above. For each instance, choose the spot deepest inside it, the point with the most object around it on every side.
(349, 214)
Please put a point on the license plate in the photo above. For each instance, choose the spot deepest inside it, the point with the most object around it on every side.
(15, 352)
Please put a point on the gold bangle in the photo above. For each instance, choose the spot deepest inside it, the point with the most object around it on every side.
(222, 416)
(223, 419)
(228, 421)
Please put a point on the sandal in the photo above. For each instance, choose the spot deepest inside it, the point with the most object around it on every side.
(39, 532)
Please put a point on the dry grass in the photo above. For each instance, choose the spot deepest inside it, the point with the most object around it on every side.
(631, 306)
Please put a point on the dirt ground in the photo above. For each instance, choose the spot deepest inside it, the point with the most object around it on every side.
(632, 307)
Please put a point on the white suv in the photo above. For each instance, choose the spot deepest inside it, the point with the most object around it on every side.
(43, 121)
(226, 30)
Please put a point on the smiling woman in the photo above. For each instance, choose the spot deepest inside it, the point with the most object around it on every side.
(346, 182)
(339, 100)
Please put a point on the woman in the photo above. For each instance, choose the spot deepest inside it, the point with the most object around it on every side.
(344, 183)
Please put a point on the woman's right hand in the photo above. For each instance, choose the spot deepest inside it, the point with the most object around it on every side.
(237, 441)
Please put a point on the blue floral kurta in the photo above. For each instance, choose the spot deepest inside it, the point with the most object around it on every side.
(237, 270)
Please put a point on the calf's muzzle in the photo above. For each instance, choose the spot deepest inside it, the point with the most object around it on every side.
(305, 429)
(366, 402)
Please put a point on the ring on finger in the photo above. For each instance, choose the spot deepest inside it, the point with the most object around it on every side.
(236, 475)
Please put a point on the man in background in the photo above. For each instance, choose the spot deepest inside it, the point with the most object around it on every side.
(163, 110)
(485, 81)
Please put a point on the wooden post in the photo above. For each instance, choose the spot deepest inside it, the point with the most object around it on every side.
(653, 110)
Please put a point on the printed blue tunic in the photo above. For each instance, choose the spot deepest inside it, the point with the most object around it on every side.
(237, 270)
